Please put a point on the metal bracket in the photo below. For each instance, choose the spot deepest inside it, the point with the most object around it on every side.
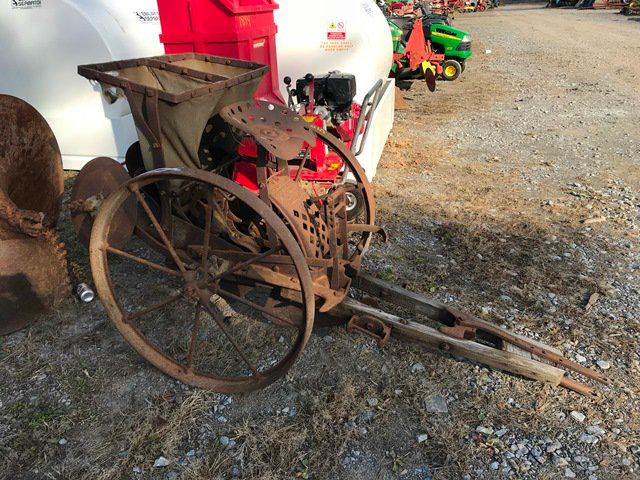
(371, 327)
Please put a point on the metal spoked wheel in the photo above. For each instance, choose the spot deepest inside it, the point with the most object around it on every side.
(194, 304)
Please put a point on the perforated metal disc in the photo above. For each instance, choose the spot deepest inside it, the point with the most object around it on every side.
(278, 129)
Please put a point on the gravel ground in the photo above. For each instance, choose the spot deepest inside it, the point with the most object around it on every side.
(511, 193)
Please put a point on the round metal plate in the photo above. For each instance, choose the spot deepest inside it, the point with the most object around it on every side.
(31, 172)
(278, 129)
(431, 80)
(96, 181)
(33, 279)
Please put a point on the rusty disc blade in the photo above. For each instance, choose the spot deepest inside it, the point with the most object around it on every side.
(33, 279)
(431, 80)
(31, 175)
(96, 181)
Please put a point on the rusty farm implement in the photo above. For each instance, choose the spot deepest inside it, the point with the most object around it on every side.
(218, 284)
(33, 266)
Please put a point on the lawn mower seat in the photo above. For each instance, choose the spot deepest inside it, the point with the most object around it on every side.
(406, 24)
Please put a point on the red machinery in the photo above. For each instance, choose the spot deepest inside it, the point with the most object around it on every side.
(242, 29)
(246, 29)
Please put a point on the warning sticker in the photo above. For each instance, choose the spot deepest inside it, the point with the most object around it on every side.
(337, 31)
(26, 4)
(148, 17)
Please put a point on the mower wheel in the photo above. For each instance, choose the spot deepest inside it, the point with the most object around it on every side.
(463, 66)
(451, 70)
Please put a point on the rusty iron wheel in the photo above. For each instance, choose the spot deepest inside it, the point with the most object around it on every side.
(195, 312)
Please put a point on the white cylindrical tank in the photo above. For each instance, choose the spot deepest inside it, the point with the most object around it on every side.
(44, 41)
(352, 36)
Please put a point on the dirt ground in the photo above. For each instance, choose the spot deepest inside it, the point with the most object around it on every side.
(511, 193)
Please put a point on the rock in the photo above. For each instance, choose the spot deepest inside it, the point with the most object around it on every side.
(161, 462)
(373, 402)
(596, 430)
(62, 441)
(603, 364)
(417, 367)
(224, 441)
(423, 437)
(495, 465)
(500, 433)
(191, 453)
(436, 404)
(577, 416)
(484, 430)
(560, 462)
(590, 439)
(506, 299)
(554, 446)
(568, 473)
(580, 358)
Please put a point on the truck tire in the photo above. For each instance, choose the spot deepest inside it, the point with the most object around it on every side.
(451, 70)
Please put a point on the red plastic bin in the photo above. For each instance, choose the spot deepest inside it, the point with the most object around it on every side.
(242, 29)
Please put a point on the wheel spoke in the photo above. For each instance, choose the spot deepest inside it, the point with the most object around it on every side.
(220, 322)
(249, 303)
(144, 261)
(246, 263)
(161, 232)
(207, 240)
(194, 336)
(153, 308)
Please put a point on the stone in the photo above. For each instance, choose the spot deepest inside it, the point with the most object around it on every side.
(580, 358)
(62, 441)
(500, 433)
(373, 402)
(560, 461)
(603, 364)
(224, 441)
(436, 404)
(568, 473)
(495, 465)
(556, 445)
(417, 367)
(596, 430)
(484, 430)
(577, 416)
(423, 437)
(191, 453)
(161, 462)
(590, 439)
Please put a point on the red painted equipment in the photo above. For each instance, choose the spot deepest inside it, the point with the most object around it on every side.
(242, 29)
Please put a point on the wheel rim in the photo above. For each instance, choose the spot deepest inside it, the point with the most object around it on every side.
(450, 70)
(217, 345)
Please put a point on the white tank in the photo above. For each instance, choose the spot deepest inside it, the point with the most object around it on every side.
(44, 41)
(352, 36)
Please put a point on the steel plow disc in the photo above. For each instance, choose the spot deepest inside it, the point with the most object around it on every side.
(33, 279)
(96, 181)
(33, 267)
(31, 175)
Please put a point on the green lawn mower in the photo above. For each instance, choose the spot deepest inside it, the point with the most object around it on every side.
(446, 48)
